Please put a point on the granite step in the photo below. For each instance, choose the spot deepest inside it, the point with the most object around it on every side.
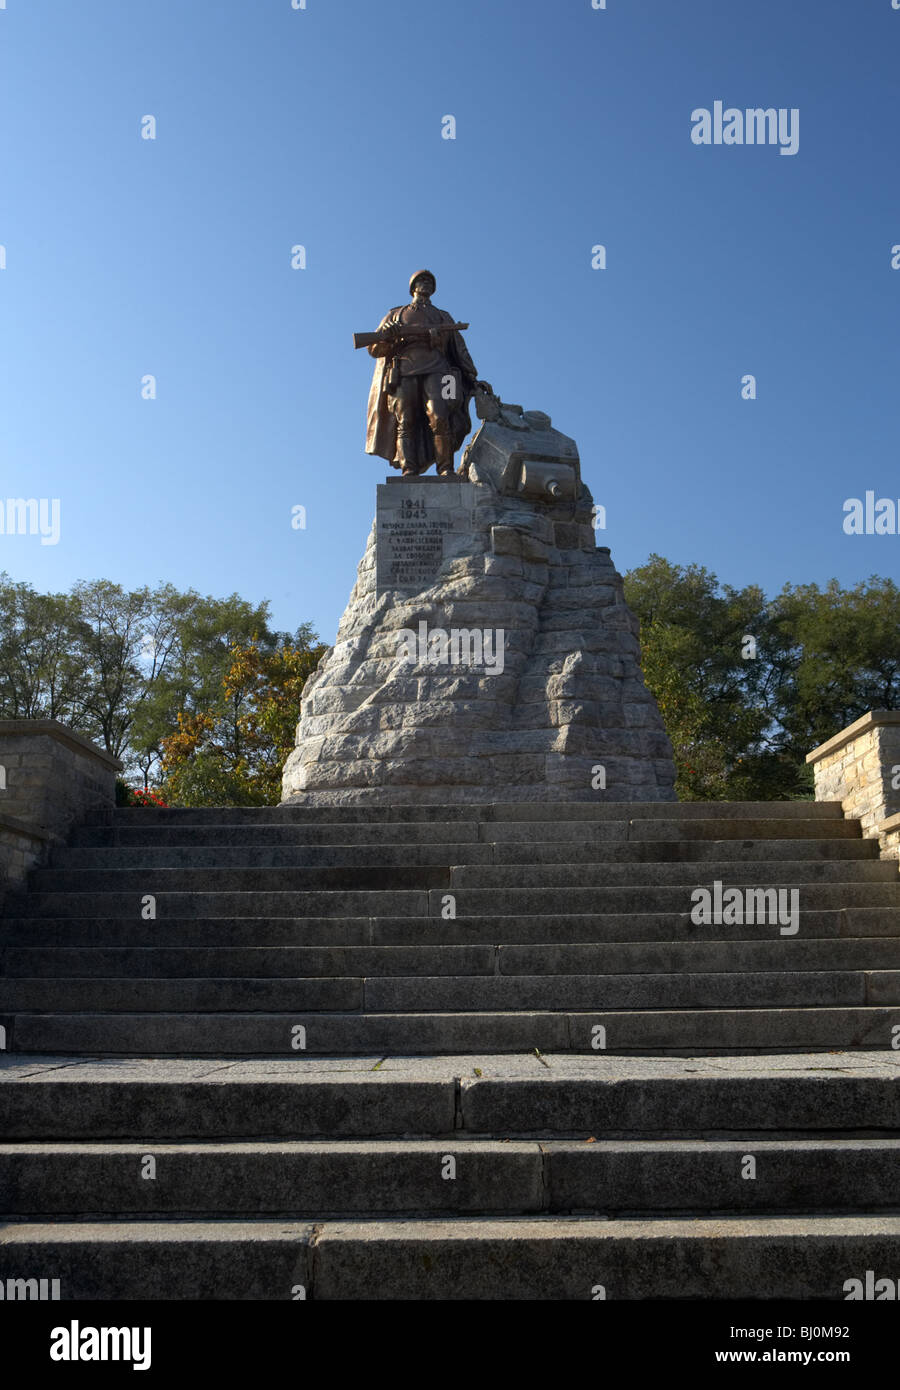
(423, 994)
(584, 958)
(415, 930)
(740, 850)
(689, 828)
(238, 855)
(737, 873)
(595, 829)
(47, 883)
(58, 1098)
(423, 902)
(581, 845)
(655, 1030)
(318, 1180)
(544, 1258)
(264, 833)
(598, 809)
(236, 869)
(287, 845)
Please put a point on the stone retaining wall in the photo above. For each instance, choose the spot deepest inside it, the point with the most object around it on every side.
(51, 779)
(860, 767)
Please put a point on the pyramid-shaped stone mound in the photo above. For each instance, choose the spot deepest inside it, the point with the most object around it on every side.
(487, 652)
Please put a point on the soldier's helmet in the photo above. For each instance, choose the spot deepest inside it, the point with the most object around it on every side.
(414, 278)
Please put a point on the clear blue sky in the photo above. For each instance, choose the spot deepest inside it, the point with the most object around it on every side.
(323, 127)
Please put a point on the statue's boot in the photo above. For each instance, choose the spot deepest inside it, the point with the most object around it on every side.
(443, 454)
(404, 455)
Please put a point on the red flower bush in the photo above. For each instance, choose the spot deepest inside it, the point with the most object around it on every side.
(140, 797)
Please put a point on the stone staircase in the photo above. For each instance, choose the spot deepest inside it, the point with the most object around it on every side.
(452, 1052)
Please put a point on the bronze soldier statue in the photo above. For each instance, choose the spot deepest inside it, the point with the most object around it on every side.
(424, 379)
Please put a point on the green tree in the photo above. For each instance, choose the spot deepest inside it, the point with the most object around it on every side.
(707, 656)
(841, 653)
(40, 676)
(188, 640)
(233, 751)
(120, 665)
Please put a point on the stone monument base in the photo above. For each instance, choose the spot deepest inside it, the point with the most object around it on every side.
(487, 653)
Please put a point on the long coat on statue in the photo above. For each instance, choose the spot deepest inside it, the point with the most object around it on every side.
(381, 426)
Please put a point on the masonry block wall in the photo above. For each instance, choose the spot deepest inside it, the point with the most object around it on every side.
(51, 779)
(860, 767)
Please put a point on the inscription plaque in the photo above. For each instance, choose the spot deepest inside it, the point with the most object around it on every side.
(416, 524)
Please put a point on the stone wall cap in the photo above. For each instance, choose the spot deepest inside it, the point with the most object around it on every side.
(890, 823)
(852, 731)
(54, 729)
(27, 827)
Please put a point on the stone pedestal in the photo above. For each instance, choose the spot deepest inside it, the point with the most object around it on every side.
(419, 525)
(486, 653)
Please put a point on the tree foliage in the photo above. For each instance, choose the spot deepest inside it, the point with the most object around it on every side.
(123, 667)
(199, 697)
(232, 752)
(748, 686)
